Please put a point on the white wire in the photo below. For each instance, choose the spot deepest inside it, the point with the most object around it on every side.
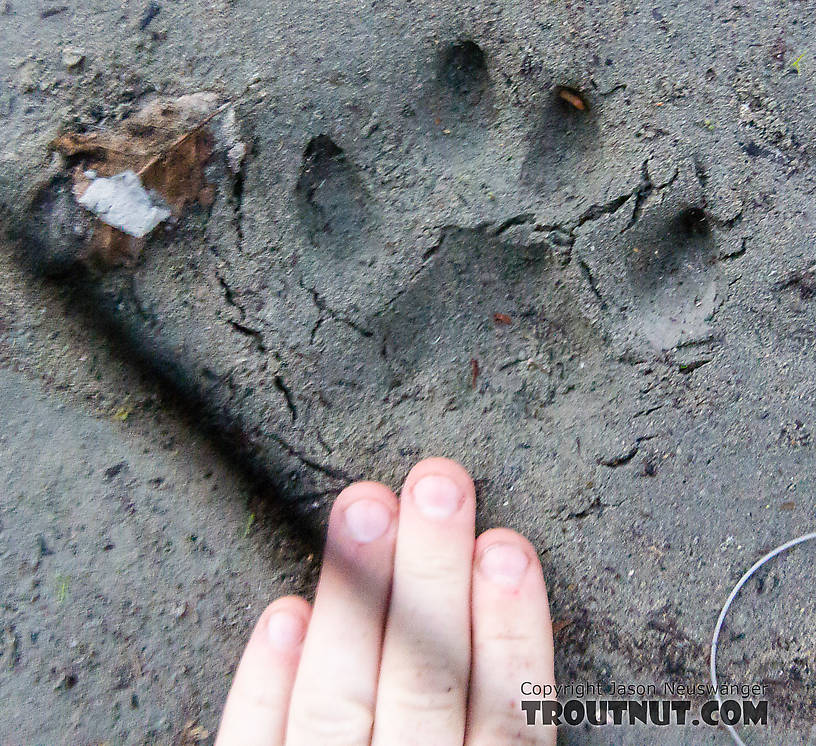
(744, 579)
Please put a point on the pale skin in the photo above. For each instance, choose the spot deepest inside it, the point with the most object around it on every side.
(420, 634)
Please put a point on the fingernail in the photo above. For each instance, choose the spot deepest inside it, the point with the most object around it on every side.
(504, 564)
(285, 630)
(367, 520)
(437, 496)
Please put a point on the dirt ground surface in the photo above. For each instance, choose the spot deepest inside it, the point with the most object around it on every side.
(411, 244)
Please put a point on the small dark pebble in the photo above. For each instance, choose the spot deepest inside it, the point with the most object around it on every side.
(115, 470)
(53, 11)
(150, 13)
(67, 681)
(40, 550)
(42, 546)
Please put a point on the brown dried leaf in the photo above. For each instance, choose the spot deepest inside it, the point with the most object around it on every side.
(178, 173)
(105, 153)
(110, 247)
(166, 143)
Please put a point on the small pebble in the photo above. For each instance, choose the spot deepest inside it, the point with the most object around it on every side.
(72, 57)
(235, 156)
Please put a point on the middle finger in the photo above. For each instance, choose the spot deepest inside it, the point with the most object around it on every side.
(422, 692)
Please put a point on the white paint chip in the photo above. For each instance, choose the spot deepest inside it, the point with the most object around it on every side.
(122, 202)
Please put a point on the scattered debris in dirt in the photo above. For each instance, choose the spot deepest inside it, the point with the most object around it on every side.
(192, 734)
(649, 468)
(115, 470)
(66, 681)
(795, 434)
(795, 65)
(163, 148)
(573, 97)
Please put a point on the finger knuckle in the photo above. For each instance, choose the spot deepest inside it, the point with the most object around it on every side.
(505, 725)
(331, 720)
(428, 689)
(508, 637)
(433, 568)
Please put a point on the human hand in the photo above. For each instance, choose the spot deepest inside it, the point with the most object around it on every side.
(419, 634)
